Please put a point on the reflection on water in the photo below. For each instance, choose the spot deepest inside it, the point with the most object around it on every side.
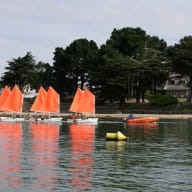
(147, 128)
(81, 161)
(43, 157)
(116, 145)
(144, 125)
(144, 131)
(10, 154)
(44, 154)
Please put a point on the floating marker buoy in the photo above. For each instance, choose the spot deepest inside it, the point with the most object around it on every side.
(115, 136)
(111, 136)
(120, 136)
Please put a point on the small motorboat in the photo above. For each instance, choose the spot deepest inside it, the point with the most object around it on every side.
(143, 120)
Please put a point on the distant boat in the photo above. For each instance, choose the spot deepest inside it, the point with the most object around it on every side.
(83, 103)
(28, 92)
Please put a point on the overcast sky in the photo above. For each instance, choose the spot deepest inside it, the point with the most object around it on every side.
(39, 26)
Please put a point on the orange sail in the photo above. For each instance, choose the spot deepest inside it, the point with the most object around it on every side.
(76, 101)
(14, 101)
(51, 103)
(87, 103)
(91, 104)
(4, 95)
(83, 102)
(39, 100)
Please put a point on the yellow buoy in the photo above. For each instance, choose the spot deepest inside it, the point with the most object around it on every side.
(111, 136)
(116, 136)
(120, 136)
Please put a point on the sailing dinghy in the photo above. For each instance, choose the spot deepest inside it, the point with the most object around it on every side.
(47, 102)
(83, 103)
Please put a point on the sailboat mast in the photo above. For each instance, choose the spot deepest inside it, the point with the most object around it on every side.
(94, 105)
(21, 105)
(59, 105)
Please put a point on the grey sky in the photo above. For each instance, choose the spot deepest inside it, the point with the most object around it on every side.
(39, 26)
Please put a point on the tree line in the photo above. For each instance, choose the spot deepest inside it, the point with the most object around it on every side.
(130, 64)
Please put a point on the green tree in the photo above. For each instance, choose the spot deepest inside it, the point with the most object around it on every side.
(20, 71)
(181, 57)
(64, 82)
(151, 68)
(110, 75)
(131, 62)
(115, 65)
(82, 54)
(44, 75)
(128, 41)
(74, 64)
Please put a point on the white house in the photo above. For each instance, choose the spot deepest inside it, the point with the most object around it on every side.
(177, 86)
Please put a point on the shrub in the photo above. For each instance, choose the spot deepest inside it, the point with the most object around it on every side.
(162, 100)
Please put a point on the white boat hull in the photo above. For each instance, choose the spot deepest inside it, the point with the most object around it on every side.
(53, 119)
(10, 119)
(88, 120)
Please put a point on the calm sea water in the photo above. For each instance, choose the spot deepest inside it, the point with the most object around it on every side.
(51, 157)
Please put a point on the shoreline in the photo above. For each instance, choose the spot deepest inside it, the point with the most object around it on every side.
(118, 115)
(160, 116)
